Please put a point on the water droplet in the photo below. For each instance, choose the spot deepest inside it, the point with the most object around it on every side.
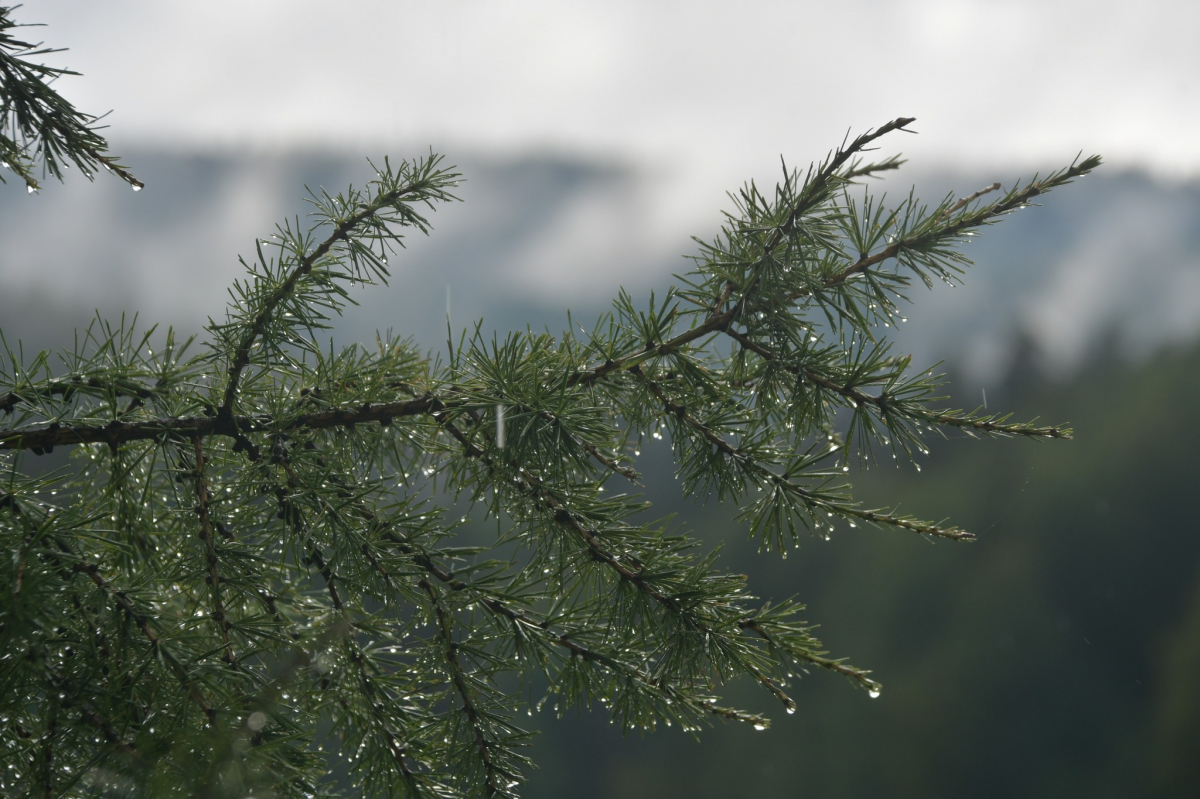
(31, 189)
(137, 186)
(874, 692)
(791, 709)
(760, 727)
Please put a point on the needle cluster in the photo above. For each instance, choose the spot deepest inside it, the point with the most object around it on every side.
(37, 124)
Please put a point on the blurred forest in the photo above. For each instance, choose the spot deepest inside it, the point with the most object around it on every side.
(1056, 656)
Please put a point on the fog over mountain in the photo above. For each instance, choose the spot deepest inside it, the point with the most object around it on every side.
(539, 234)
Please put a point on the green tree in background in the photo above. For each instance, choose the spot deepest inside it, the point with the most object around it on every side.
(250, 574)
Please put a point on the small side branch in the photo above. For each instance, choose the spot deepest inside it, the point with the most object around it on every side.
(810, 498)
(496, 778)
(799, 653)
(992, 424)
(291, 514)
(241, 356)
(219, 615)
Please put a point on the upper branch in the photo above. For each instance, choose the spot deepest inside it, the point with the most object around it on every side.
(341, 232)
(720, 320)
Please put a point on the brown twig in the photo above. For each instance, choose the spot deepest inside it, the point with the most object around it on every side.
(115, 433)
(204, 496)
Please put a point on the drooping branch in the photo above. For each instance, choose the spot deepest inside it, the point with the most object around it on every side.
(496, 777)
(533, 488)
(142, 620)
(837, 666)
(810, 498)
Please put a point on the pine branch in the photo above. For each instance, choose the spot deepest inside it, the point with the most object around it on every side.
(1018, 198)
(337, 469)
(423, 187)
(717, 322)
(812, 499)
(115, 433)
(808, 656)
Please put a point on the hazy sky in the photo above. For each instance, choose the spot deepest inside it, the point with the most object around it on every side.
(685, 99)
(716, 87)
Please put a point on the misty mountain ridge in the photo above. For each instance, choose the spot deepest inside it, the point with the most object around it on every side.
(540, 234)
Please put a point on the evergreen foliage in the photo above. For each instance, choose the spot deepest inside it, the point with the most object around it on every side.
(251, 566)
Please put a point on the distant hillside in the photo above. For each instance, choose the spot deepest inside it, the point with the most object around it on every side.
(537, 235)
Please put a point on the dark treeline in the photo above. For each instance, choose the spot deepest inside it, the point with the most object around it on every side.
(1056, 656)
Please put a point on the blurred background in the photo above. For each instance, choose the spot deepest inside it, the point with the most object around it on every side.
(1056, 656)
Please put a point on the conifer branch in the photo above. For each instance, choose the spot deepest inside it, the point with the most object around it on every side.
(542, 627)
(351, 459)
(1017, 198)
(801, 653)
(93, 717)
(67, 387)
(532, 487)
(812, 193)
(291, 514)
(395, 748)
(36, 119)
(970, 198)
(717, 322)
(118, 432)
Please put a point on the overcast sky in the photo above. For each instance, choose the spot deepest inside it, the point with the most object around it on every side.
(715, 87)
